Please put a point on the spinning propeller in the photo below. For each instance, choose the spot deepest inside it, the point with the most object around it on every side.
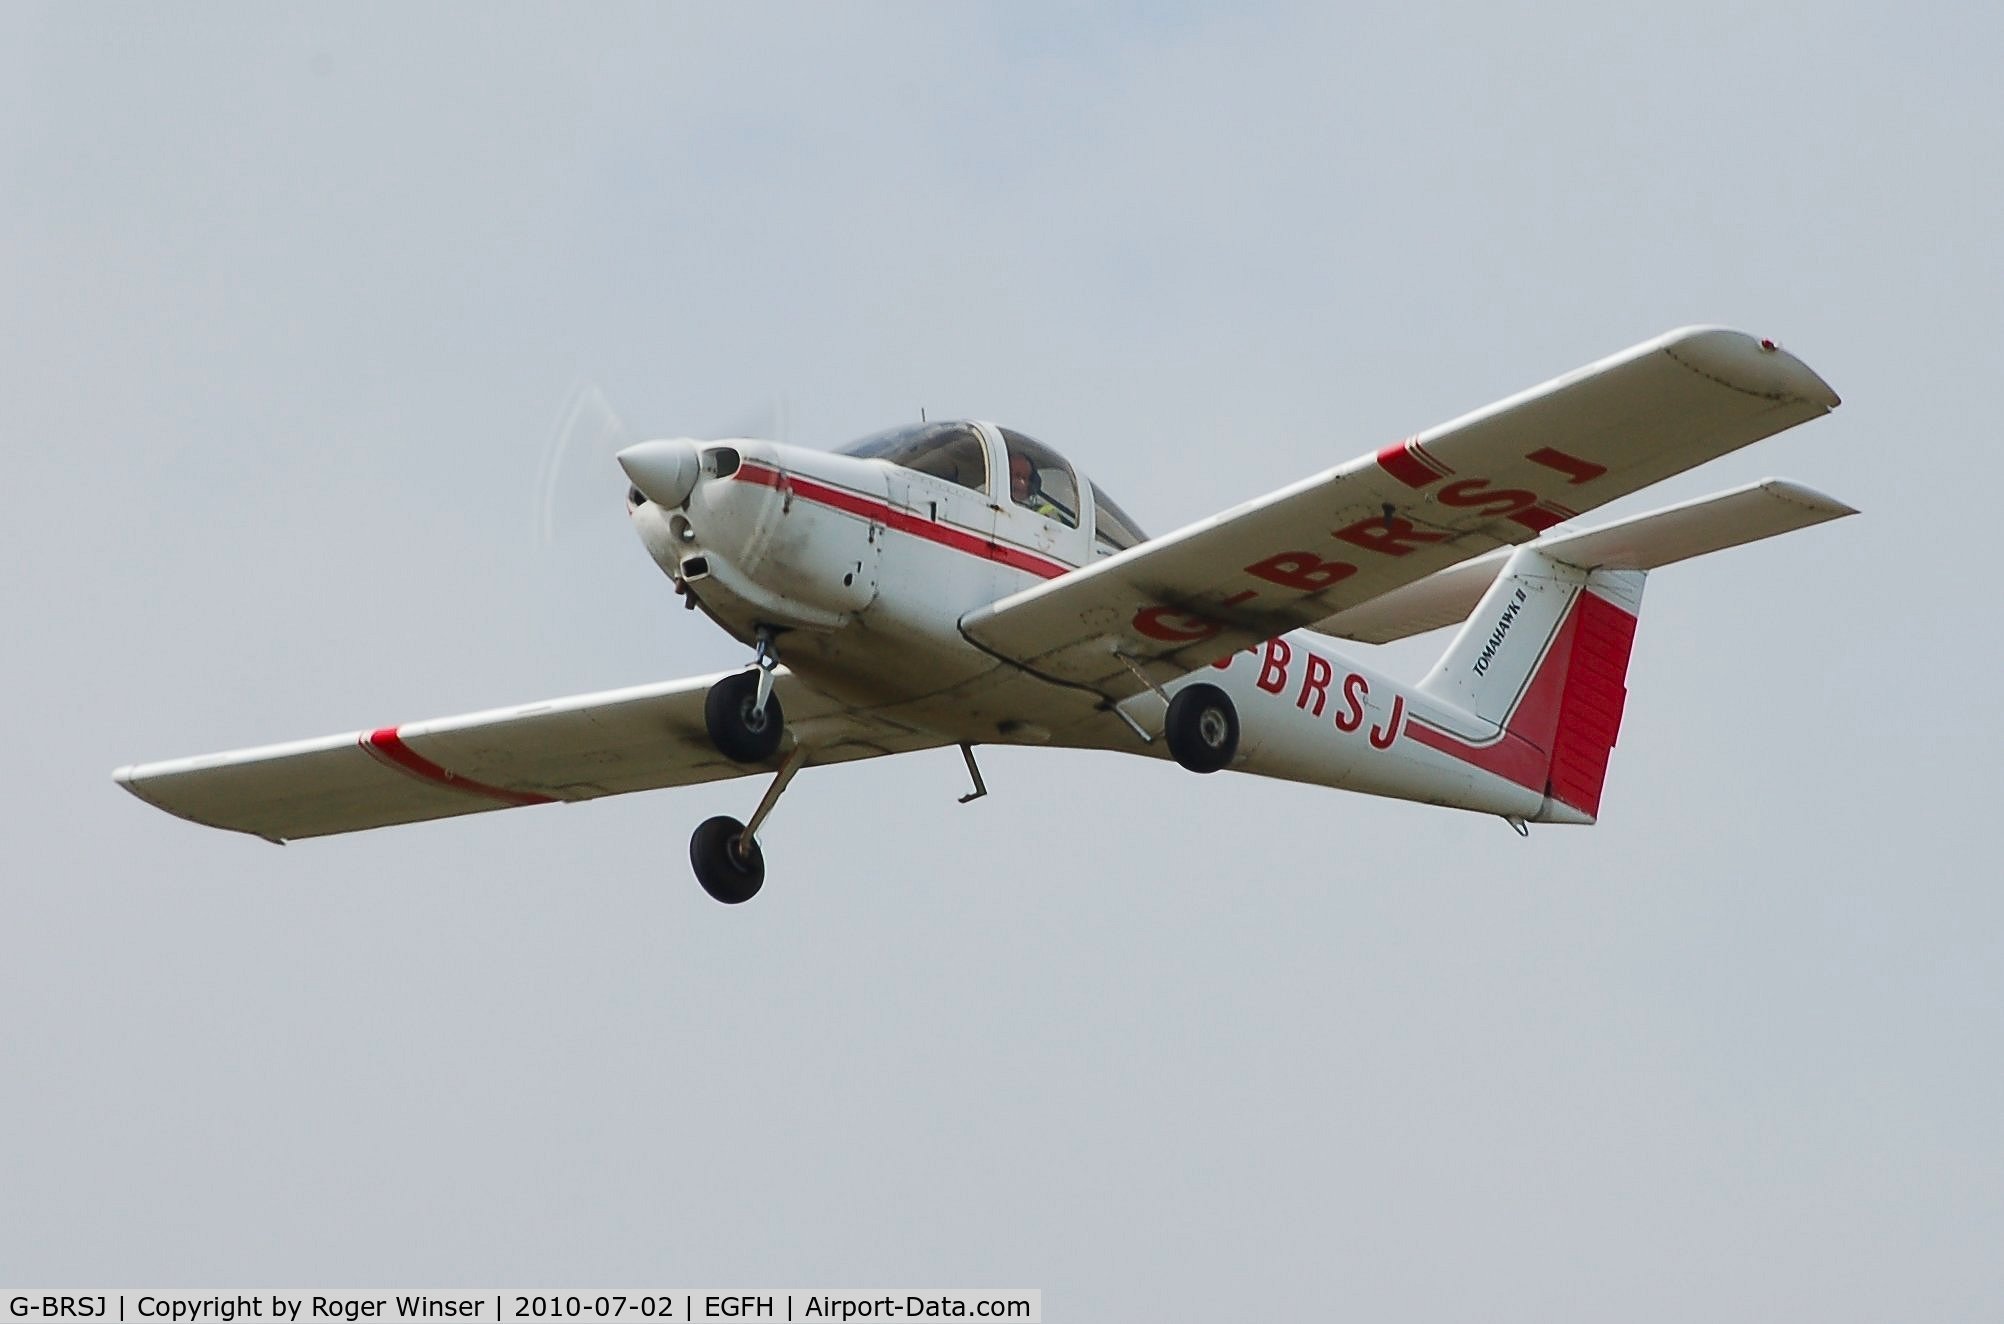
(574, 481)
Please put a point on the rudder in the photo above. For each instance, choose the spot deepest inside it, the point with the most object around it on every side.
(1596, 691)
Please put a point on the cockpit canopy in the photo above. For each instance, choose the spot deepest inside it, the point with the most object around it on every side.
(1039, 479)
(953, 451)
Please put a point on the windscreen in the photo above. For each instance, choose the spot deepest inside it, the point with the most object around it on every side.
(952, 451)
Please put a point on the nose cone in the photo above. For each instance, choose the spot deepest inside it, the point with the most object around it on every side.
(664, 471)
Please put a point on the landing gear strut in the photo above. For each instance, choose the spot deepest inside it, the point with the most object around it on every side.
(742, 713)
(1202, 728)
(725, 853)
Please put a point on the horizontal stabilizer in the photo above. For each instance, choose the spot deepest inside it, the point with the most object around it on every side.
(1644, 542)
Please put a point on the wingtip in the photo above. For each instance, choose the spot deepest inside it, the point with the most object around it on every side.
(128, 778)
(1756, 365)
(1803, 495)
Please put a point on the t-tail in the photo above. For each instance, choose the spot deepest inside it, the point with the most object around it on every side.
(1537, 675)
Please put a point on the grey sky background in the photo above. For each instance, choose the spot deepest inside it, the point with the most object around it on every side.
(291, 302)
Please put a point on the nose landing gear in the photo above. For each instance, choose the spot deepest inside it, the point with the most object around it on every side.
(742, 713)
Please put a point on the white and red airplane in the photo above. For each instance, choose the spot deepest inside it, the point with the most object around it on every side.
(958, 583)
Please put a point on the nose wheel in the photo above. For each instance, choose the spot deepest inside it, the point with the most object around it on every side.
(742, 714)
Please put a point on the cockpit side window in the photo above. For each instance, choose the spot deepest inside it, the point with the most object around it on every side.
(1112, 528)
(1040, 480)
(952, 451)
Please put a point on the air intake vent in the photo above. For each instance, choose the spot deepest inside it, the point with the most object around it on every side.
(721, 461)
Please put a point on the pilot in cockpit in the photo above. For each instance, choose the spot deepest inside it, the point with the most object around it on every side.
(1026, 489)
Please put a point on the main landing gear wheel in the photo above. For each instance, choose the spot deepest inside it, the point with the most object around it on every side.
(727, 860)
(1202, 728)
(725, 853)
(739, 728)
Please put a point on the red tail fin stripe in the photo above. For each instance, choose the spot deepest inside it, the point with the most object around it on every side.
(1520, 755)
(1590, 720)
(1511, 758)
(1571, 707)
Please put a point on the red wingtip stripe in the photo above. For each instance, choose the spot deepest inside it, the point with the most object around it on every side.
(389, 748)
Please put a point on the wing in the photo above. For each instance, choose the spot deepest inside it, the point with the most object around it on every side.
(1500, 476)
(1643, 542)
(579, 748)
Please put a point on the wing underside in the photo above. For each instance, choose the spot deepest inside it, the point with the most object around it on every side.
(577, 748)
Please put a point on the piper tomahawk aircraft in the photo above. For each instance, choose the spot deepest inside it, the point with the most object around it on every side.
(959, 583)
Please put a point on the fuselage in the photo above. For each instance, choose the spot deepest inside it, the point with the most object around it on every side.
(864, 570)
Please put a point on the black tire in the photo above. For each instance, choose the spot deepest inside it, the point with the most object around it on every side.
(724, 874)
(738, 733)
(1202, 728)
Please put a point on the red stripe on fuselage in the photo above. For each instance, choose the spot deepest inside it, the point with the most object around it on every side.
(891, 517)
(389, 749)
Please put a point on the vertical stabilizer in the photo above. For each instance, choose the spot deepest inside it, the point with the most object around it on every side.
(1544, 658)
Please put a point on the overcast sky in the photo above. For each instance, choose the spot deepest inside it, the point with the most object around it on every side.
(291, 304)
